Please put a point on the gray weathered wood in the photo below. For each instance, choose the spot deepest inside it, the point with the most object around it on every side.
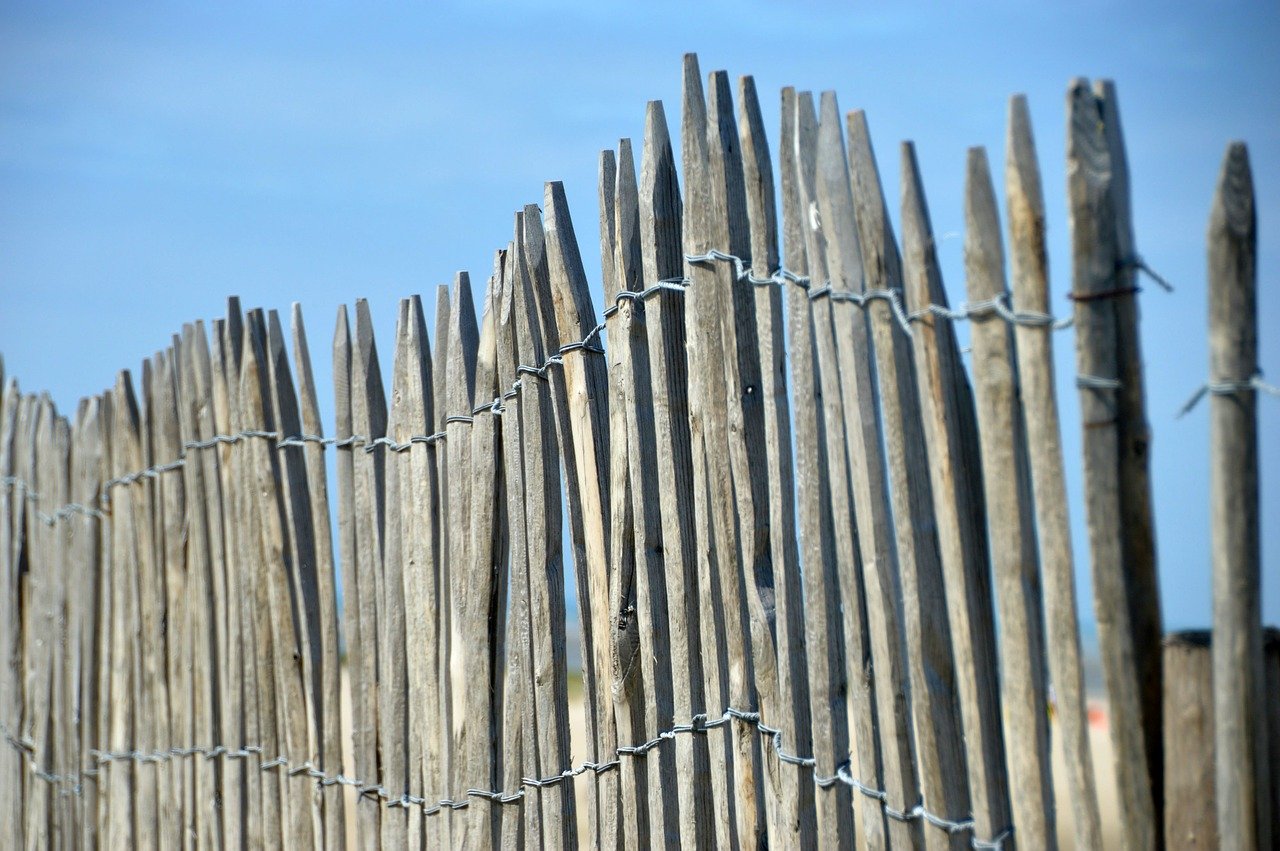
(1094, 261)
(1030, 284)
(459, 389)
(1190, 816)
(623, 638)
(443, 727)
(1239, 724)
(825, 733)
(11, 500)
(630, 345)
(1010, 521)
(483, 621)
(720, 619)
(791, 701)
(869, 481)
(369, 421)
(393, 672)
(272, 571)
(858, 655)
(662, 259)
(586, 383)
(330, 703)
(928, 633)
(521, 826)
(950, 428)
(1142, 580)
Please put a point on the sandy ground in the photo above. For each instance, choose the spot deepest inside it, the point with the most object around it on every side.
(1066, 834)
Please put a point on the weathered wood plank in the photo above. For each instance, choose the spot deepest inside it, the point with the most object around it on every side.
(928, 632)
(1142, 579)
(1030, 284)
(330, 720)
(826, 735)
(662, 259)
(1190, 816)
(460, 379)
(392, 666)
(869, 481)
(1239, 723)
(521, 823)
(624, 629)
(483, 622)
(724, 642)
(630, 346)
(236, 708)
(586, 383)
(1094, 262)
(266, 498)
(950, 427)
(198, 604)
(546, 559)
(791, 699)
(344, 471)
(1010, 522)
(727, 223)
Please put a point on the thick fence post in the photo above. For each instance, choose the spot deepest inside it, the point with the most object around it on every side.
(1239, 724)
(1190, 815)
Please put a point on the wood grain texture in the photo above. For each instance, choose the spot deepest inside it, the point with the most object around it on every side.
(586, 384)
(1030, 285)
(623, 637)
(864, 439)
(651, 600)
(1239, 723)
(825, 733)
(369, 420)
(459, 390)
(721, 621)
(1010, 520)
(937, 728)
(522, 825)
(950, 428)
(483, 622)
(662, 259)
(1138, 523)
(1094, 261)
(11, 500)
(790, 698)
(1190, 816)
(546, 559)
(331, 723)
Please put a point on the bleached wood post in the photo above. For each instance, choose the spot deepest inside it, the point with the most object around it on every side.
(870, 486)
(1238, 681)
(951, 436)
(587, 429)
(723, 640)
(1190, 816)
(1030, 284)
(662, 259)
(1011, 526)
(824, 734)
(931, 667)
(1094, 262)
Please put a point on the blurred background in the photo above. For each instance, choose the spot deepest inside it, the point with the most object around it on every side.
(157, 158)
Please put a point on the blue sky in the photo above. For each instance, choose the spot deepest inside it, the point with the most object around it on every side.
(155, 158)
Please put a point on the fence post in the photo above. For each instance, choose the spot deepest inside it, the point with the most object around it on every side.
(1030, 278)
(1094, 262)
(1239, 723)
(1190, 815)
(951, 435)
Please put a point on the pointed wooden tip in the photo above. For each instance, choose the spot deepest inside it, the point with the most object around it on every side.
(655, 125)
(1022, 170)
(1233, 202)
(342, 329)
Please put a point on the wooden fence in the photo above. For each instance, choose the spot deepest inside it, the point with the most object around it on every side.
(794, 514)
